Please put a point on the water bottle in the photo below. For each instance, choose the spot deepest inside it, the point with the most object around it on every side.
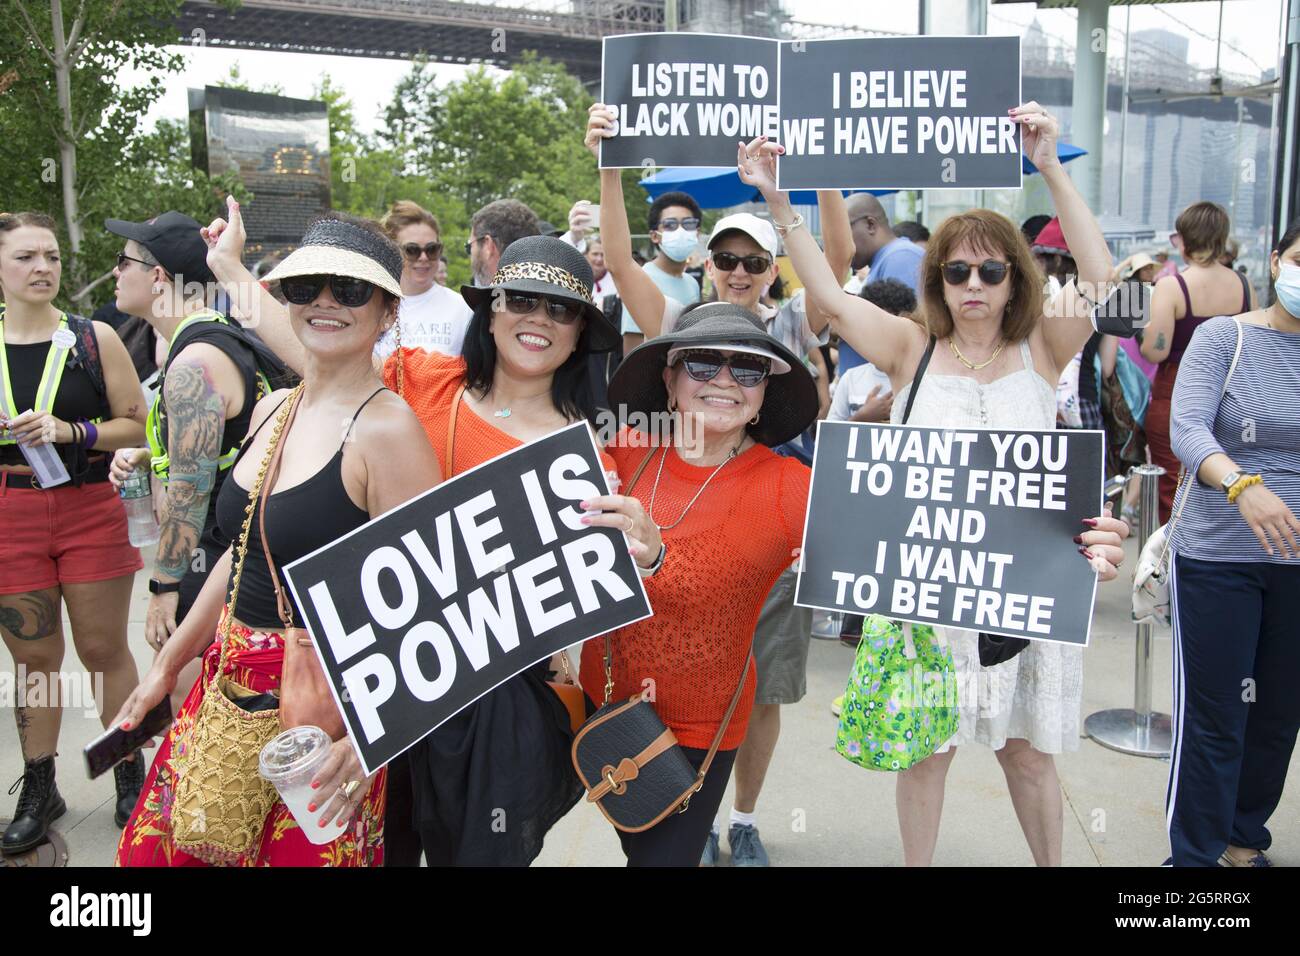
(137, 498)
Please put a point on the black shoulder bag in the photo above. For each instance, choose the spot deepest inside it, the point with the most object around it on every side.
(993, 649)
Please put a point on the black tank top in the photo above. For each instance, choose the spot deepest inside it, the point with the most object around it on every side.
(298, 521)
(76, 398)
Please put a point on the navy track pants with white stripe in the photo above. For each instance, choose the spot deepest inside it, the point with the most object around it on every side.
(1236, 703)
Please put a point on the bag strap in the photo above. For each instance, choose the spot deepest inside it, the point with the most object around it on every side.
(1245, 292)
(282, 604)
(241, 547)
(451, 431)
(636, 475)
(916, 379)
(1185, 480)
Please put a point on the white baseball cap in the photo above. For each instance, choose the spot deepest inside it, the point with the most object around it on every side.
(760, 230)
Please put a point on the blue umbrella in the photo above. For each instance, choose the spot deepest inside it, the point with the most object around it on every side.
(720, 187)
(1064, 152)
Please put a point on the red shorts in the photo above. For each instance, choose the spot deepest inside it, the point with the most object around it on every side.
(66, 535)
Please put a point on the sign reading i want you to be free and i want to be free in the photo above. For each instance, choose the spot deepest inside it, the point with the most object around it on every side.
(965, 528)
(854, 113)
(423, 610)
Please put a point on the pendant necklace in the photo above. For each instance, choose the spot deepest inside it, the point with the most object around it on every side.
(501, 413)
(650, 512)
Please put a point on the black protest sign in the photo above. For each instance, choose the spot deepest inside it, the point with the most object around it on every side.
(418, 613)
(686, 99)
(965, 528)
(900, 113)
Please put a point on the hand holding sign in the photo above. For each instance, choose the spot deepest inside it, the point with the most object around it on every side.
(1103, 546)
(600, 125)
(627, 515)
(1041, 130)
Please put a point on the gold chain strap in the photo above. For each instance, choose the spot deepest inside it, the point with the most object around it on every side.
(241, 549)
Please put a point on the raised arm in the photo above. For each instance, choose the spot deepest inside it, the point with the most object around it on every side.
(1067, 320)
(837, 238)
(640, 296)
(250, 304)
(889, 342)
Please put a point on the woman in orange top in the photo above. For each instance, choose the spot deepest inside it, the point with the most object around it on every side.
(488, 784)
(731, 515)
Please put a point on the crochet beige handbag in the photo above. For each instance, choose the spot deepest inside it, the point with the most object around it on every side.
(221, 801)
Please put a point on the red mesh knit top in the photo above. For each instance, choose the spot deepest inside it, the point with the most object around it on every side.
(722, 560)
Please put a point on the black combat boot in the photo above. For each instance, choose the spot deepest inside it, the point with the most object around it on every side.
(39, 805)
(128, 777)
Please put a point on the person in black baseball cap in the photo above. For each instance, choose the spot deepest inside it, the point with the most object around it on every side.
(172, 241)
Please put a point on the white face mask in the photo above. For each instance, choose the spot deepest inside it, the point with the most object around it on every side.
(679, 243)
(1287, 288)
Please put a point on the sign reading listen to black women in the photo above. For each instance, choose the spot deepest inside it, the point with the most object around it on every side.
(425, 609)
(964, 528)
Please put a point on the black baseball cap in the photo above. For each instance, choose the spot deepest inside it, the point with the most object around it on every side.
(173, 239)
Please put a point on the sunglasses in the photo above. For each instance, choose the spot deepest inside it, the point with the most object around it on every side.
(704, 365)
(523, 303)
(471, 243)
(991, 272)
(348, 292)
(668, 225)
(123, 259)
(412, 250)
(754, 265)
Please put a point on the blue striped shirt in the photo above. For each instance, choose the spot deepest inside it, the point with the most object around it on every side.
(1257, 425)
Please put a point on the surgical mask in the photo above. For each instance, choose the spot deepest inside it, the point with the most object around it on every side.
(679, 243)
(1287, 288)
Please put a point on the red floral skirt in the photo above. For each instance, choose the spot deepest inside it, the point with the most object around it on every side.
(254, 662)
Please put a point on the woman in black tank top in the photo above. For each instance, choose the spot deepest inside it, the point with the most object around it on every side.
(66, 384)
(329, 481)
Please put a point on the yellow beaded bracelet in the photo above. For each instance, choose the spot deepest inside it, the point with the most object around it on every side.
(1241, 485)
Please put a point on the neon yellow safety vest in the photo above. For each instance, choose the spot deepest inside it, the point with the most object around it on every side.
(160, 462)
(55, 361)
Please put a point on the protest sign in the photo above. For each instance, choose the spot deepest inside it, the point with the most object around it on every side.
(900, 113)
(686, 99)
(966, 528)
(418, 613)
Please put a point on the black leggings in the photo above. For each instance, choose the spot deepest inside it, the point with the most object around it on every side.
(401, 839)
(678, 839)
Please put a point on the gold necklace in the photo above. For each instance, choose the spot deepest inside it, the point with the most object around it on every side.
(968, 363)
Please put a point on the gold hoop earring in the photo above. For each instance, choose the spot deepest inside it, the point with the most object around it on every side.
(757, 415)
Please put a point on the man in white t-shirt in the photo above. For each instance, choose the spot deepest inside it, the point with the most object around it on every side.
(431, 316)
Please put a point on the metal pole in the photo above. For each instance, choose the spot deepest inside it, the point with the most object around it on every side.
(670, 16)
(1138, 731)
(1123, 107)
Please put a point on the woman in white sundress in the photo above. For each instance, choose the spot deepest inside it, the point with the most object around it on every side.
(1000, 350)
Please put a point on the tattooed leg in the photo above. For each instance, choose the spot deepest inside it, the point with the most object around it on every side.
(32, 629)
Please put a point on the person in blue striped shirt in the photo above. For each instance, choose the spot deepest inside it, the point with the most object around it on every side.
(1236, 577)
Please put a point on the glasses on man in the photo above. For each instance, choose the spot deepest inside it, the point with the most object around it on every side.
(412, 250)
(754, 265)
(348, 292)
(471, 243)
(690, 224)
(523, 303)
(992, 272)
(123, 259)
(703, 365)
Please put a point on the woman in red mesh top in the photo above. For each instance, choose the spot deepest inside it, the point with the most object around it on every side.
(730, 514)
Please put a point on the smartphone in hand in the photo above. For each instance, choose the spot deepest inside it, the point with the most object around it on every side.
(115, 744)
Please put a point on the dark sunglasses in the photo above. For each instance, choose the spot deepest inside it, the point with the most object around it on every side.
(991, 271)
(123, 259)
(348, 292)
(754, 265)
(668, 225)
(523, 303)
(748, 370)
(412, 250)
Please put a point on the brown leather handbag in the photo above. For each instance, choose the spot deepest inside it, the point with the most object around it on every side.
(305, 694)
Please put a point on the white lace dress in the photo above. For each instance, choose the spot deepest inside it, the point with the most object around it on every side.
(1036, 695)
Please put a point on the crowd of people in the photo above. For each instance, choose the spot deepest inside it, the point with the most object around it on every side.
(973, 323)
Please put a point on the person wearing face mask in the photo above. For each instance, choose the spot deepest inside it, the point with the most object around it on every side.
(1235, 576)
(68, 387)
(432, 316)
(343, 286)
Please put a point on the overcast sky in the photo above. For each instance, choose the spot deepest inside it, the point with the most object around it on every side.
(1250, 26)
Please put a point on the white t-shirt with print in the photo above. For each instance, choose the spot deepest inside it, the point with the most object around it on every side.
(435, 321)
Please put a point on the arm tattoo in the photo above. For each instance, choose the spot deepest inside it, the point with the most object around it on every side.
(1160, 341)
(40, 608)
(196, 418)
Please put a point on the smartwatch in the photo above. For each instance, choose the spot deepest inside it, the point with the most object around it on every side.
(163, 587)
(1230, 479)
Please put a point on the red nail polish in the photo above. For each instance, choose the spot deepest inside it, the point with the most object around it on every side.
(1078, 539)
(311, 808)
(1090, 522)
(315, 784)
(126, 725)
(1086, 553)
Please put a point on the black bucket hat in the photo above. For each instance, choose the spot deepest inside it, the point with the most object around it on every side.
(789, 404)
(543, 265)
